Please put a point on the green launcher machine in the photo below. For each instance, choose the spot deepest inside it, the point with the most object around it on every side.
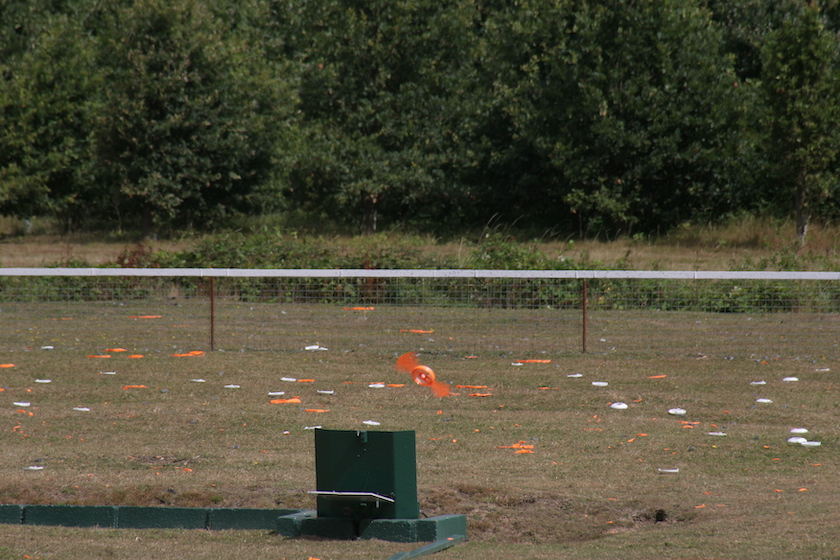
(367, 489)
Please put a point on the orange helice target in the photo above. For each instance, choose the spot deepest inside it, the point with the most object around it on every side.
(422, 375)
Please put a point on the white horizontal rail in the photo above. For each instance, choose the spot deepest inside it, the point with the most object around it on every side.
(417, 273)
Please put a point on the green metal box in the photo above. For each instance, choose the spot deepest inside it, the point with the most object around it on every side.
(366, 474)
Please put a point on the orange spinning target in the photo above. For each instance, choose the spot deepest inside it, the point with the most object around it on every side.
(422, 375)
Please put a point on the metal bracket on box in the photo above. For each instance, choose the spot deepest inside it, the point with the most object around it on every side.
(361, 497)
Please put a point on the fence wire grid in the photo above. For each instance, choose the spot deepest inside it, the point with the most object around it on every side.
(538, 314)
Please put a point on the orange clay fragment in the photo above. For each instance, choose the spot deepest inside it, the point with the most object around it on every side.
(518, 445)
(134, 387)
(99, 356)
(316, 409)
(286, 401)
(7, 365)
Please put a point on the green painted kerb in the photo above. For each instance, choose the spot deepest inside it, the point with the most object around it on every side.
(71, 516)
(137, 517)
(308, 523)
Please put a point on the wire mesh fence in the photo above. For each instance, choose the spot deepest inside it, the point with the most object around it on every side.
(536, 314)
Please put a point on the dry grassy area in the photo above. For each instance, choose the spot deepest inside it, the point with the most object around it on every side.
(725, 247)
(201, 431)
(50, 250)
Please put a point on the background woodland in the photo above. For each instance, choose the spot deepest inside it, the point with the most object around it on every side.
(624, 117)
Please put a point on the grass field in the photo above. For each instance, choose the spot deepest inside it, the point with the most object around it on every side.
(590, 487)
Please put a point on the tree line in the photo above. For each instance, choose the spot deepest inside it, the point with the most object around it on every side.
(582, 117)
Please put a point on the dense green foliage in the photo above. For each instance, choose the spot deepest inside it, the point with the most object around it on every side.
(573, 116)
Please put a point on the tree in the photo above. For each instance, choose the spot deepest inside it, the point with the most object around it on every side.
(378, 100)
(49, 93)
(799, 82)
(192, 117)
(619, 116)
